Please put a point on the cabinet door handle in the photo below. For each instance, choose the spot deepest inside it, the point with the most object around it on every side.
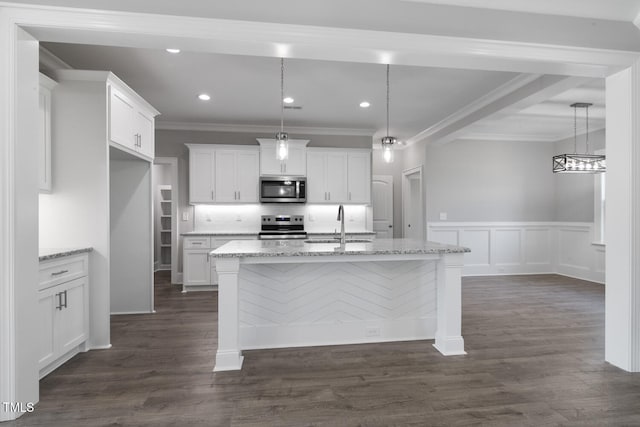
(329, 195)
(59, 306)
(196, 243)
(349, 195)
(65, 300)
(285, 168)
(57, 273)
(213, 195)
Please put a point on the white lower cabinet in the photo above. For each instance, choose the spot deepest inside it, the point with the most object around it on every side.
(63, 309)
(199, 271)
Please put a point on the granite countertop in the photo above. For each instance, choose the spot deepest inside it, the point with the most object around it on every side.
(273, 248)
(219, 233)
(255, 233)
(348, 233)
(52, 253)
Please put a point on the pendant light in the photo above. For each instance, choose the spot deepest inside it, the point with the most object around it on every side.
(388, 141)
(579, 163)
(282, 138)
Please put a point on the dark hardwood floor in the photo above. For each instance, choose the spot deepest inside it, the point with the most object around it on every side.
(535, 357)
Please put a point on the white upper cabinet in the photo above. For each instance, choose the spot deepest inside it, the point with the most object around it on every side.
(223, 174)
(131, 121)
(201, 175)
(44, 133)
(236, 175)
(247, 176)
(294, 165)
(338, 176)
(359, 177)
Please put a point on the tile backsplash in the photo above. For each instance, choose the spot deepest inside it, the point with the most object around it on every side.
(246, 218)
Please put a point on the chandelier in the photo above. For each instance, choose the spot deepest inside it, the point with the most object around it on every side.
(579, 163)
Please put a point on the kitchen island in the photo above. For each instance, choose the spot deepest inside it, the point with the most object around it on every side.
(293, 293)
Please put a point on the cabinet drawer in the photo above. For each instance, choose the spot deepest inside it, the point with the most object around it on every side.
(62, 270)
(197, 242)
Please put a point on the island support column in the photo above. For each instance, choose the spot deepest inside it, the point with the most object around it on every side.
(228, 357)
(449, 339)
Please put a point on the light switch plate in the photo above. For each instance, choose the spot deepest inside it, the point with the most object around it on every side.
(443, 216)
(185, 216)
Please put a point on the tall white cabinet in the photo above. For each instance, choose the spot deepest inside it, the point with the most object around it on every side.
(336, 175)
(93, 176)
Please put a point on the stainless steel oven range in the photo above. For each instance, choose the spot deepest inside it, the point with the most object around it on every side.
(282, 227)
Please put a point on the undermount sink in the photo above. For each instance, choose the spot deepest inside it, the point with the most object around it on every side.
(337, 241)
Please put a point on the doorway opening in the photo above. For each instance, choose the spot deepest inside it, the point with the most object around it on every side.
(413, 209)
(165, 203)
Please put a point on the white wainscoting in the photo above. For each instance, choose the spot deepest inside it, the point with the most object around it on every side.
(525, 247)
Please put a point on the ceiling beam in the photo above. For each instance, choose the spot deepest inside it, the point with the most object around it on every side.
(520, 93)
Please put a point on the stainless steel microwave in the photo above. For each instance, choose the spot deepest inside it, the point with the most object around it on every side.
(283, 189)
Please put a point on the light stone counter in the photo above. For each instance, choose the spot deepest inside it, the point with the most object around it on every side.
(52, 253)
(292, 293)
(301, 248)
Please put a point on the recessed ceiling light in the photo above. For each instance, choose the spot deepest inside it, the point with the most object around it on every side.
(173, 50)
(204, 97)
(288, 100)
(365, 104)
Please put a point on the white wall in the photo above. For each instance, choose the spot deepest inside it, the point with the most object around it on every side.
(131, 237)
(490, 181)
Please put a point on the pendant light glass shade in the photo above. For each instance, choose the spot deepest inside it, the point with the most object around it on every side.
(388, 141)
(282, 145)
(282, 138)
(579, 163)
(387, 148)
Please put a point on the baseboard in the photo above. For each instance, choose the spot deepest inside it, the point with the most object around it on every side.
(120, 313)
(100, 347)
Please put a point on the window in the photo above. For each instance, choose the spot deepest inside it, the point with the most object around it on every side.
(599, 206)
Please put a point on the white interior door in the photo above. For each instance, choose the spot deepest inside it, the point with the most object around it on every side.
(382, 205)
(412, 205)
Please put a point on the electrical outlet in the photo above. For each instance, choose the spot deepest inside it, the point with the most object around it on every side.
(372, 332)
(185, 216)
(443, 216)
(238, 218)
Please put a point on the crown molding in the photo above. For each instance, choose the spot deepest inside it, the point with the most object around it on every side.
(507, 137)
(521, 137)
(224, 127)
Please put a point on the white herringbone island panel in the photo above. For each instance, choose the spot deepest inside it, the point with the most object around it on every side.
(304, 304)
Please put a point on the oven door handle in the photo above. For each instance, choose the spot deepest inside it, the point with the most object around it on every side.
(297, 189)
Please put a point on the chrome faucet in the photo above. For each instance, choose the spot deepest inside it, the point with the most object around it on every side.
(340, 218)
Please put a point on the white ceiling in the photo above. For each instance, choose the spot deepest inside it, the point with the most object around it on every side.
(245, 90)
(245, 94)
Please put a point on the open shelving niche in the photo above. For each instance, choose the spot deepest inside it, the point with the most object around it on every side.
(165, 219)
